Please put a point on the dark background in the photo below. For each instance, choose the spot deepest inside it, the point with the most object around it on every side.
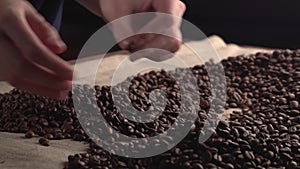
(267, 23)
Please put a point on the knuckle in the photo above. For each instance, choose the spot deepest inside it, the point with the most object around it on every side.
(41, 21)
(9, 15)
(46, 29)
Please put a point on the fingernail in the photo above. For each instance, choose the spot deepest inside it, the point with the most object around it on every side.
(56, 42)
(61, 43)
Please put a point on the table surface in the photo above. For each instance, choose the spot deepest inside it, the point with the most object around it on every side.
(17, 152)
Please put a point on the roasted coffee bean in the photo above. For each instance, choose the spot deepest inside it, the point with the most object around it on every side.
(294, 104)
(204, 104)
(249, 155)
(270, 128)
(229, 166)
(293, 165)
(44, 142)
(29, 134)
(49, 136)
(286, 156)
(211, 166)
(59, 136)
(197, 166)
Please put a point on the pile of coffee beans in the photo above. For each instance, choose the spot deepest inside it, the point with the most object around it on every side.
(22, 112)
(264, 134)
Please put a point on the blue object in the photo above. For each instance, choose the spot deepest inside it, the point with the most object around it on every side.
(50, 9)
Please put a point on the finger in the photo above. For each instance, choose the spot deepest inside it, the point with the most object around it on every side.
(112, 10)
(146, 6)
(25, 39)
(163, 24)
(39, 90)
(127, 44)
(45, 32)
(166, 28)
(139, 40)
(151, 54)
(121, 28)
(174, 7)
(173, 21)
(160, 41)
(38, 75)
(135, 41)
(123, 32)
(18, 68)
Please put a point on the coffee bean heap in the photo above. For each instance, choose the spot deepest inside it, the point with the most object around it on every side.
(264, 134)
(22, 112)
(139, 91)
(138, 98)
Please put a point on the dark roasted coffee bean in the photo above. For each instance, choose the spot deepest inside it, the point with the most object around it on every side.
(204, 104)
(49, 136)
(197, 166)
(294, 104)
(293, 165)
(206, 156)
(80, 163)
(249, 155)
(270, 128)
(210, 166)
(59, 136)
(44, 141)
(229, 166)
(291, 96)
(79, 137)
(286, 156)
(29, 134)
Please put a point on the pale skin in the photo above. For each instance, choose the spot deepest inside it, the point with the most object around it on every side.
(30, 46)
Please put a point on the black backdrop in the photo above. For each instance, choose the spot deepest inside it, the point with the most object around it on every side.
(267, 23)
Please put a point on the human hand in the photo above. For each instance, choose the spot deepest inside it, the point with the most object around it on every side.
(114, 9)
(29, 46)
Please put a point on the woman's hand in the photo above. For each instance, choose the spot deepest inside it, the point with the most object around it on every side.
(29, 46)
(114, 9)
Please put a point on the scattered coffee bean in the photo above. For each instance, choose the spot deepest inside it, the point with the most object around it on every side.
(29, 134)
(44, 142)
